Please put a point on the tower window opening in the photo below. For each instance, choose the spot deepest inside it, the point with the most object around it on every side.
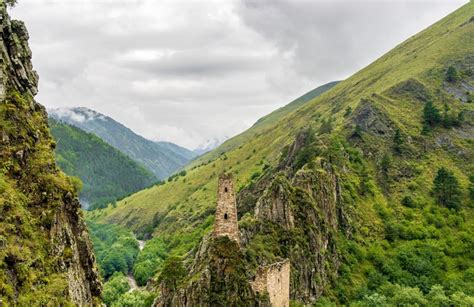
(225, 216)
(225, 190)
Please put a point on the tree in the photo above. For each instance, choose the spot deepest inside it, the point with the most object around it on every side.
(172, 272)
(446, 189)
(326, 126)
(357, 131)
(452, 75)
(431, 115)
(398, 141)
(114, 288)
(385, 164)
(471, 187)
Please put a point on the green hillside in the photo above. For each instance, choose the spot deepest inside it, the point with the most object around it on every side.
(384, 134)
(106, 173)
(160, 158)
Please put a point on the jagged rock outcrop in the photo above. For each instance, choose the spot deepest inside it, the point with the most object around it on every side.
(217, 277)
(299, 215)
(46, 256)
(371, 119)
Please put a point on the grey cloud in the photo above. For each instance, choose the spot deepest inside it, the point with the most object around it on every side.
(191, 71)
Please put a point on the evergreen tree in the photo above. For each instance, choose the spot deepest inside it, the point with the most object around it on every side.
(398, 141)
(452, 75)
(326, 126)
(431, 115)
(446, 189)
(357, 131)
(385, 164)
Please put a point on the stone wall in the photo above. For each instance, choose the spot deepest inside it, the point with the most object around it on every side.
(226, 211)
(274, 280)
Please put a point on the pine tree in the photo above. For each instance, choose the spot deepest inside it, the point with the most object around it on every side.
(431, 115)
(452, 74)
(385, 164)
(357, 131)
(398, 141)
(446, 189)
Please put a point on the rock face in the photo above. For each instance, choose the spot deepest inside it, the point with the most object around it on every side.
(217, 277)
(299, 216)
(46, 256)
(288, 240)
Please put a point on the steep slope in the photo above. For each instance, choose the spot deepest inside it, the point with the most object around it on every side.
(45, 253)
(371, 222)
(106, 173)
(161, 158)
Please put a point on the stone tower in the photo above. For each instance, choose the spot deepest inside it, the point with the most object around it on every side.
(274, 279)
(225, 223)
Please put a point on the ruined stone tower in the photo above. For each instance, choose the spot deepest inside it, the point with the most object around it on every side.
(274, 279)
(226, 211)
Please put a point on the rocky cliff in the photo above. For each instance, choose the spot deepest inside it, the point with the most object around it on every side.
(45, 252)
(295, 211)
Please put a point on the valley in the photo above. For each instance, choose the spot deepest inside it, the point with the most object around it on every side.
(358, 193)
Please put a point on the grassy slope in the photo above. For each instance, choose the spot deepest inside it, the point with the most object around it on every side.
(107, 173)
(181, 211)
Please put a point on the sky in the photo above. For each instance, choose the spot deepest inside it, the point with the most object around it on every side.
(192, 72)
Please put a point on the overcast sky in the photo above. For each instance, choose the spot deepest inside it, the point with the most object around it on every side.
(191, 71)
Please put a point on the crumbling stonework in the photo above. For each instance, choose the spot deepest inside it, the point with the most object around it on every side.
(274, 279)
(226, 211)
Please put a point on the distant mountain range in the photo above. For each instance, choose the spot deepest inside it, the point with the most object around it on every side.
(161, 158)
(107, 173)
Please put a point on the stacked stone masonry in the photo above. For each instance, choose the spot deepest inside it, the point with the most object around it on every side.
(274, 279)
(226, 211)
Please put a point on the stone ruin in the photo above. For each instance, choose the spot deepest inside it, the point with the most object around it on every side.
(273, 279)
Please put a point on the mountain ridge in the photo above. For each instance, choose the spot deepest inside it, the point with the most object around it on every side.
(162, 158)
(106, 173)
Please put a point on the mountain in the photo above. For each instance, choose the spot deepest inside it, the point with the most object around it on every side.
(46, 256)
(367, 189)
(107, 174)
(161, 158)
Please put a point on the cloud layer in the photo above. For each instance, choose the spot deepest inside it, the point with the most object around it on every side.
(191, 71)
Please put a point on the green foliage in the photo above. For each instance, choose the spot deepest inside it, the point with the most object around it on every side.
(452, 75)
(398, 141)
(397, 295)
(106, 173)
(326, 126)
(115, 248)
(471, 187)
(172, 272)
(149, 260)
(431, 115)
(135, 299)
(114, 288)
(446, 189)
(385, 164)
